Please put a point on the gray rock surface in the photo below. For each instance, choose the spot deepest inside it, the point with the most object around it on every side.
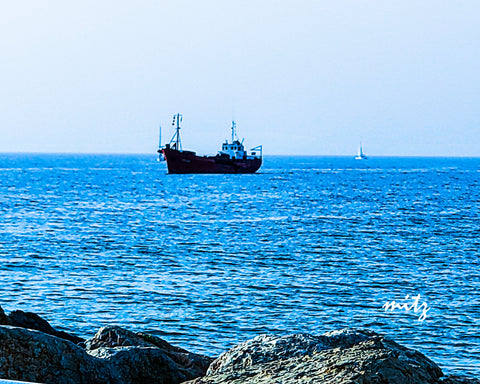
(346, 356)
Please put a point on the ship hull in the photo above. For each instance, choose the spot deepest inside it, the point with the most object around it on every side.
(189, 162)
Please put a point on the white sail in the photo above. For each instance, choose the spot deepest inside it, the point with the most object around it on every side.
(361, 155)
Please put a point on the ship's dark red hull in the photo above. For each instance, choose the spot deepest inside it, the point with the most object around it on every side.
(189, 162)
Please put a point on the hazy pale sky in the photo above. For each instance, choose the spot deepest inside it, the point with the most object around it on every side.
(300, 77)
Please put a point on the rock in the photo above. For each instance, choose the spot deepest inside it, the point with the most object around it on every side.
(31, 320)
(114, 356)
(117, 356)
(4, 319)
(143, 358)
(346, 356)
(35, 356)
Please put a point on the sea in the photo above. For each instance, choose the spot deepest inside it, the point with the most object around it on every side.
(307, 244)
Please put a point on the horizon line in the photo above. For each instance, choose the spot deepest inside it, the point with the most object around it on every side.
(155, 154)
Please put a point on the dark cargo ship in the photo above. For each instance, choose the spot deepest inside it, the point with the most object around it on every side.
(231, 159)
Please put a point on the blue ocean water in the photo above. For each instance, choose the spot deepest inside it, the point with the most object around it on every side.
(309, 244)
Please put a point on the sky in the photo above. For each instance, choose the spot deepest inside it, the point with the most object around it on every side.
(298, 77)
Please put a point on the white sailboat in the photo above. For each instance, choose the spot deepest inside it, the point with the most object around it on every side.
(361, 155)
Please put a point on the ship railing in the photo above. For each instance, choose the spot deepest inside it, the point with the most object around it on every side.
(256, 151)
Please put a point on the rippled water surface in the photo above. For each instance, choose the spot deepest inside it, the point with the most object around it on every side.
(206, 261)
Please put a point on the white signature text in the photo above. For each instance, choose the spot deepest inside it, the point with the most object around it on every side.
(409, 306)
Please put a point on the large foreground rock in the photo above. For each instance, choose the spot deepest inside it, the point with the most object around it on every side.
(114, 356)
(347, 356)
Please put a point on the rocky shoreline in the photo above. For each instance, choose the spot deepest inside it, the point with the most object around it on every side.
(32, 350)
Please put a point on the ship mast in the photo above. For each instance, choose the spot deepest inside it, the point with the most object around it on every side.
(177, 143)
(160, 137)
(234, 131)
